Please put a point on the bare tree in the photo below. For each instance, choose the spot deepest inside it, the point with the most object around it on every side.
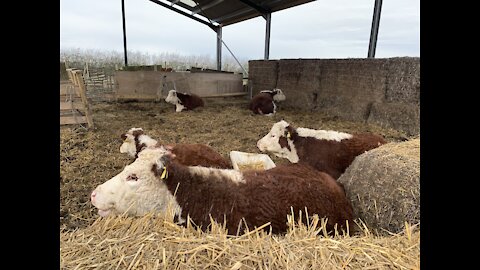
(76, 57)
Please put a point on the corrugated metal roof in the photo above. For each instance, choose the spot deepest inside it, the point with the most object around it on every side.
(227, 12)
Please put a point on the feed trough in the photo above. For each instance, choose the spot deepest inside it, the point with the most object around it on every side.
(250, 161)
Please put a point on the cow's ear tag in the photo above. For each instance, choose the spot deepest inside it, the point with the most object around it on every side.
(289, 135)
(164, 174)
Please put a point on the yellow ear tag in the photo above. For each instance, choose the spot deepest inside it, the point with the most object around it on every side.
(164, 174)
(289, 135)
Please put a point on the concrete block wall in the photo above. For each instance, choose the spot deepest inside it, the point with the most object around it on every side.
(148, 84)
(381, 91)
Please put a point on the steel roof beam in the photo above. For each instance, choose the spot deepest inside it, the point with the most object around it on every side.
(124, 34)
(212, 26)
(372, 46)
(231, 15)
(206, 6)
(268, 19)
(258, 8)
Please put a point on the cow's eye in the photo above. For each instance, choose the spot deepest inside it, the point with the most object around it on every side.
(273, 136)
(132, 177)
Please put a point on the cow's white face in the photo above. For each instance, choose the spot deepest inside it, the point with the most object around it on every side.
(136, 190)
(172, 97)
(272, 142)
(279, 96)
(128, 146)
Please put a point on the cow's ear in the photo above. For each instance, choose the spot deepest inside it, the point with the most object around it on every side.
(169, 147)
(288, 132)
(160, 167)
(165, 160)
(170, 155)
(124, 136)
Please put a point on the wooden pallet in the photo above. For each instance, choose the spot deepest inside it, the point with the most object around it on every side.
(74, 106)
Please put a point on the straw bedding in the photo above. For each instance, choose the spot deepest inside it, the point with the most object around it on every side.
(152, 242)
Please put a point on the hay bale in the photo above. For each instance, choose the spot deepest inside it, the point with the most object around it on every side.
(384, 186)
(396, 115)
(403, 80)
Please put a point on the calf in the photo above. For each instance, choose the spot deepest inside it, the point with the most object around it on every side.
(134, 141)
(184, 101)
(156, 183)
(326, 150)
(264, 102)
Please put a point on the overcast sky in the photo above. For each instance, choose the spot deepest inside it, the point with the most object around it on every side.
(319, 29)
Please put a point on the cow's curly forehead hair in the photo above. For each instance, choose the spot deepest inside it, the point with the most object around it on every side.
(280, 126)
(135, 132)
(153, 154)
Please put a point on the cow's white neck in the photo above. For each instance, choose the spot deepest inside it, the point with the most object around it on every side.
(329, 135)
(147, 140)
(156, 199)
(233, 175)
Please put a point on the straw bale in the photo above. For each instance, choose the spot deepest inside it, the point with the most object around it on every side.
(153, 242)
(384, 185)
(396, 115)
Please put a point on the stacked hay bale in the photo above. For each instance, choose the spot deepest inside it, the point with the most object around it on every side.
(384, 186)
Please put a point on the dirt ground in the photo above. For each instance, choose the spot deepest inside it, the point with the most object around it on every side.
(89, 158)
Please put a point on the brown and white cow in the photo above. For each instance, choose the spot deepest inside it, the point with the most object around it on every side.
(264, 102)
(135, 140)
(156, 183)
(183, 101)
(326, 150)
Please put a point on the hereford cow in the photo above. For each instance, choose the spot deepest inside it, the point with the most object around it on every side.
(264, 102)
(134, 141)
(326, 150)
(184, 101)
(155, 182)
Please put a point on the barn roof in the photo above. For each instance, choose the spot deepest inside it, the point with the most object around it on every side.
(226, 12)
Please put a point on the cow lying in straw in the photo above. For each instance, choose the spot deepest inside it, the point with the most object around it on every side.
(184, 101)
(326, 150)
(264, 102)
(154, 182)
(134, 141)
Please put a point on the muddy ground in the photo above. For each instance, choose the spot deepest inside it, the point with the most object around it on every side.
(89, 158)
